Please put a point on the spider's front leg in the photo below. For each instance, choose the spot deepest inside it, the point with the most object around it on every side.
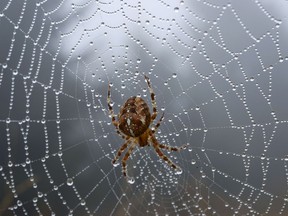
(154, 115)
(158, 124)
(112, 114)
(111, 111)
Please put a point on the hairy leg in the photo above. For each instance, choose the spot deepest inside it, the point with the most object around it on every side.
(156, 146)
(120, 151)
(112, 114)
(154, 115)
(158, 124)
(125, 158)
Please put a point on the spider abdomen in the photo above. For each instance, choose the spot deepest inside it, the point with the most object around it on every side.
(134, 117)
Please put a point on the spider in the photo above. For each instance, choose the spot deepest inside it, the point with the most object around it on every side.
(133, 124)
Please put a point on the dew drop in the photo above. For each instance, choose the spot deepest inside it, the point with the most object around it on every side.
(83, 202)
(10, 164)
(193, 162)
(69, 182)
(176, 9)
(116, 164)
(15, 72)
(174, 75)
(8, 120)
(262, 157)
(19, 203)
(4, 65)
(179, 171)
(130, 180)
(28, 161)
(40, 194)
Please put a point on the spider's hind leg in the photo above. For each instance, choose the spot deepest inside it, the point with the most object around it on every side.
(125, 158)
(157, 147)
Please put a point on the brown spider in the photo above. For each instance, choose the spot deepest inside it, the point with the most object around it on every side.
(133, 124)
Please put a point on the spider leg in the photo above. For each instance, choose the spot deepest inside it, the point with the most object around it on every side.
(156, 146)
(158, 124)
(154, 115)
(171, 148)
(112, 114)
(125, 158)
(120, 151)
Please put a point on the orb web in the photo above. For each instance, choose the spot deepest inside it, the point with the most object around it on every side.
(218, 70)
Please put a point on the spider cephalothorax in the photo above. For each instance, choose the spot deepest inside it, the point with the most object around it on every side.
(133, 124)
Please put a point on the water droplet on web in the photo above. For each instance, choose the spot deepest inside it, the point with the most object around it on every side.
(123, 86)
(176, 9)
(83, 202)
(19, 203)
(174, 75)
(15, 72)
(179, 171)
(10, 164)
(138, 61)
(8, 120)
(193, 162)
(69, 182)
(130, 180)
(28, 161)
(116, 164)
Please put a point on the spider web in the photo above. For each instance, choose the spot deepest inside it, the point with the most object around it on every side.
(219, 71)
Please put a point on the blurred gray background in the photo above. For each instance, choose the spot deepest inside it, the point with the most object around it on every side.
(219, 71)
